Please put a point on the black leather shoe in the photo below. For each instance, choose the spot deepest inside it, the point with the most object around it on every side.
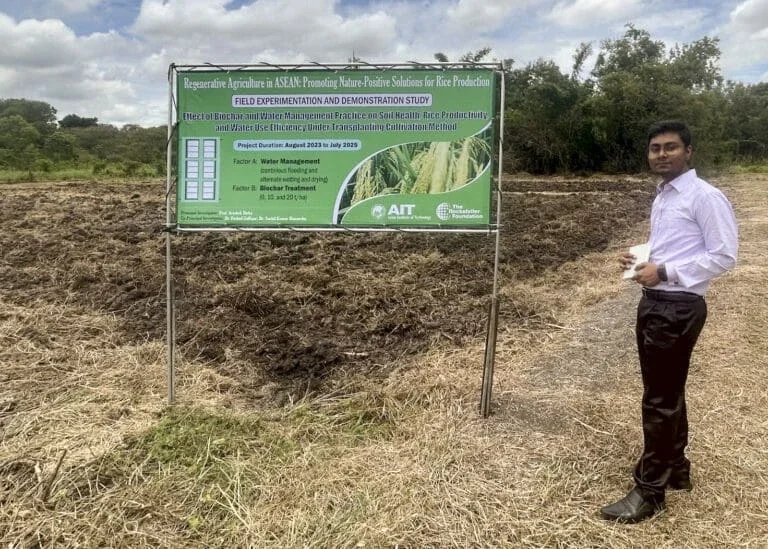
(632, 508)
(680, 481)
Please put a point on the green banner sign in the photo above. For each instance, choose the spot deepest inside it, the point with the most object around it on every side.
(323, 148)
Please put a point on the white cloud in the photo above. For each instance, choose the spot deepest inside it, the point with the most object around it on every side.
(683, 21)
(751, 16)
(9, 78)
(650, 15)
(745, 47)
(122, 77)
(273, 31)
(36, 44)
(481, 15)
(587, 13)
(563, 58)
(313, 29)
(46, 60)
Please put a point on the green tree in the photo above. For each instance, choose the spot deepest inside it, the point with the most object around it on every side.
(547, 128)
(39, 114)
(632, 53)
(580, 57)
(695, 66)
(16, 136)
(469, 58)
(637, 83)
(75, 121)
(131, 143)
(143, 145)
(99, 141)
(59, 146)
(28, 158)
(747, 121)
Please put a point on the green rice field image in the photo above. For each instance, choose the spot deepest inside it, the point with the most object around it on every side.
(427, 167)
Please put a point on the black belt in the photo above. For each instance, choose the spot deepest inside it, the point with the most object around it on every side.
(660, 295)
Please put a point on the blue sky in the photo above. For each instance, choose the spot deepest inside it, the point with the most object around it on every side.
(109, 58)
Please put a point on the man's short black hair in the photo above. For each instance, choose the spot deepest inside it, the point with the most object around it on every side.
(671, 126)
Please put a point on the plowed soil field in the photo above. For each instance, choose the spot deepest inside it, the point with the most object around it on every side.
(296, 309)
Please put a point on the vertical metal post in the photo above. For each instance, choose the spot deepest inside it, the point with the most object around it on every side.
(169, 312)
(169, 297)
(493, 313)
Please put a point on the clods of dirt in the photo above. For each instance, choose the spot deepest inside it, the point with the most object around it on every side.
(294, 306)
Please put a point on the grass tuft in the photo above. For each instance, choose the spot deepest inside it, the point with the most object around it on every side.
(190, 438)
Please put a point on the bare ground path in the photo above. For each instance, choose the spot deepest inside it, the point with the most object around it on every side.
(583, 389)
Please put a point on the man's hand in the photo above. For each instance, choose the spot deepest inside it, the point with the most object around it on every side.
(626, 260)
(647, 275)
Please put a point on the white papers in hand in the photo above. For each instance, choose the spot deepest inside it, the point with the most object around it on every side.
(641, 253)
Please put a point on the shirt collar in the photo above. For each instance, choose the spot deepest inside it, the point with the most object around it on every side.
(680, 183)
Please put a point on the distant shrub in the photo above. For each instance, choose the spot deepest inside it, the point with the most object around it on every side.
(146, 170)
(750, 168)
(45, 165)
(131, 168)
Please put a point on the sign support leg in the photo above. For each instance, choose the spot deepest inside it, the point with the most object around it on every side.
(490, 339)
(170, 313)
(170, 307)
(493, 314)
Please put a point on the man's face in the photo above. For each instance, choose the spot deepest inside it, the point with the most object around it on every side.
(668, 156)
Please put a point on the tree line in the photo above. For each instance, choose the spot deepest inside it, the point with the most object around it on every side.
(33, 140)
(583, 121)
(556, 122)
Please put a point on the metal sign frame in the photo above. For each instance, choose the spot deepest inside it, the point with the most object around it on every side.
(172, 228)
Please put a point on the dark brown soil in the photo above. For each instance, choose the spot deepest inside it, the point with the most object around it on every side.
(294, 307)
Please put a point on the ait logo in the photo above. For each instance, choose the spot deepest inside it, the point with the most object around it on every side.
(443, 211)
(378, 211)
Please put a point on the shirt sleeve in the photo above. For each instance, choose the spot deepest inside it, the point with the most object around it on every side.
(715, 217)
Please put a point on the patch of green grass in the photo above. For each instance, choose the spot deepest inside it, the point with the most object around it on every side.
(69, 174)
(223, 454)
(198, 442)
(749, 168)
(102, 171)
(190, 438)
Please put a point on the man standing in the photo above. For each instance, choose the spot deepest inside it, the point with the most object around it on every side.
(693, 240)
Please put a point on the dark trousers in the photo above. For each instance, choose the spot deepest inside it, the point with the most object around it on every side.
(668, 325)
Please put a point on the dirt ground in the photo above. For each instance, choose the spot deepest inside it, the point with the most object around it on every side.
(296, 309)
(328, 383)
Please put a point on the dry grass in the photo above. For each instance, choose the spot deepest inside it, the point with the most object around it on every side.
(402, 461)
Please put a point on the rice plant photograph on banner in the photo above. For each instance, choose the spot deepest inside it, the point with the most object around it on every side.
(427, 167)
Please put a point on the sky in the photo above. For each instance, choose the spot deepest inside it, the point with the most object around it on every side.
(109, 59)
